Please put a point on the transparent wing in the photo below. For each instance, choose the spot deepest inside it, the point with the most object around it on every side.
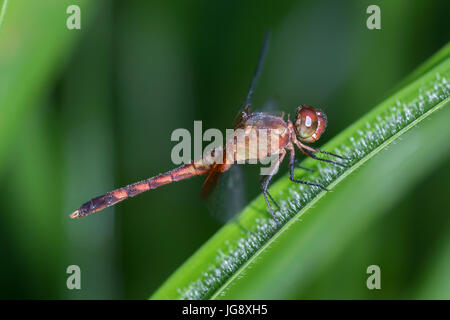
(247, 105)
(226, 195)
(271, 106)
(210, 181)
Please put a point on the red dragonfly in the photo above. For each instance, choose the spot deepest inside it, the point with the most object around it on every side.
(308, 126)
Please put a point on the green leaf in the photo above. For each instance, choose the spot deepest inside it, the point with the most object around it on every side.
(34, 46)
(391, 148)
(3, 12)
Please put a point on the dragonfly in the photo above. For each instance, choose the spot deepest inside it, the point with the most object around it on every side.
(308, 126)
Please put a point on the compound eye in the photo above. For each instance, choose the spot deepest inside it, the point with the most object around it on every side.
(310, 123)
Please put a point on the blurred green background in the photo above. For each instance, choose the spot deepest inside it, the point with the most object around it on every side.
(85, 111)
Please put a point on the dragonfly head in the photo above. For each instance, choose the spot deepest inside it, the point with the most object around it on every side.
(309, 123)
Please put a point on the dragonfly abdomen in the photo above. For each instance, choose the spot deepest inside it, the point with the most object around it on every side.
(113, 197)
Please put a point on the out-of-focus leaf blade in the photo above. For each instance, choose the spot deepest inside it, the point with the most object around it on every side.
(34, 41)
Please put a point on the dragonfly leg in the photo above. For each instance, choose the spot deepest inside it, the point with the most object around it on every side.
(304, 146)
(296, 165)
(310, 154)
(273, 200)
(291, 172)
(265, 185)
(332, 154)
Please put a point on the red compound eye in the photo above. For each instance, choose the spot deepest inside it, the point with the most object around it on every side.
(310, 123)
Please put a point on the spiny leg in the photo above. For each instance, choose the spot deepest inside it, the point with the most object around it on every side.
(291, 172)
(322, 159)
(296, 165)
(265, 185)
(306, 147)
(273, 200)
(331, 154)
(263, 181)
(307, 150)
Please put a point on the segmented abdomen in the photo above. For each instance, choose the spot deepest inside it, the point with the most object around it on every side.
(113, 197)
